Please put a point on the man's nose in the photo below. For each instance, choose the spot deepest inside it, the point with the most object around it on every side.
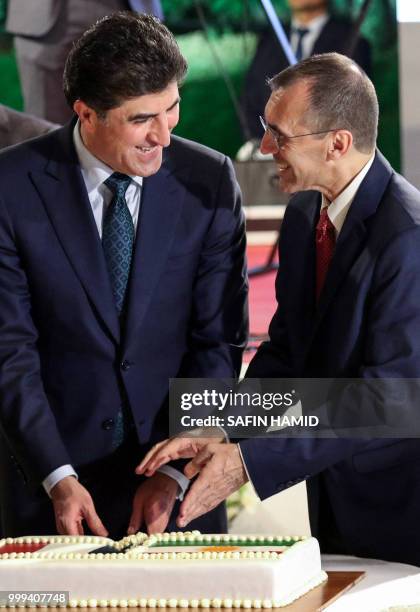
(160, 131)
(268, 145)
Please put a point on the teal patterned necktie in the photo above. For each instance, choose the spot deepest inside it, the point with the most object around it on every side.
(117, 243)
(118, 237)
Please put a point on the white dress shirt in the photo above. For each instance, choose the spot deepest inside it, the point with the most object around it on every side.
(94, 173)
(337, 212)
(338, 208)
(314, 28)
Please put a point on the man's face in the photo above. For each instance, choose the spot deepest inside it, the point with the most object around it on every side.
(307, 5)
(301, 162)
(131, 137)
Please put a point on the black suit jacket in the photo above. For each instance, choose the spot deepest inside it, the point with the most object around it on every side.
(364, 494)
(66, 366)
(269, 59)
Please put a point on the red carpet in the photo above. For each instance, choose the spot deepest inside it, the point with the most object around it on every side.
(262, 302)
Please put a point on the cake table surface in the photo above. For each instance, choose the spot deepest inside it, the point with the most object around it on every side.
(385, 585)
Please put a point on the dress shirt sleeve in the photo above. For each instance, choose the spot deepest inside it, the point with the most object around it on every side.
(183, 481)
(56, 475)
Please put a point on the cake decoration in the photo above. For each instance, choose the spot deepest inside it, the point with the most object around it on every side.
(175, 570)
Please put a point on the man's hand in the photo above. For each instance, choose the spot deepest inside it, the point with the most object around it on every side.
(221, 473)
(177, 448)
(73, 504)
(153, 504)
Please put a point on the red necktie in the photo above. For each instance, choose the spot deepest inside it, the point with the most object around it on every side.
(325, 244)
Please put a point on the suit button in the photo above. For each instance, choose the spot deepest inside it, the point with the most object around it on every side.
(125, 365)
(108, 424)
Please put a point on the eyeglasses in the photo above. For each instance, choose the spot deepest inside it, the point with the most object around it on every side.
(281, 139)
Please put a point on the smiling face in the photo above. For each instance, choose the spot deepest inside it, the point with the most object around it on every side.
(131, 137)
(302, 163)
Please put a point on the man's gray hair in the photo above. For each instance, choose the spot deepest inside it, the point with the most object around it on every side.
(341, 96)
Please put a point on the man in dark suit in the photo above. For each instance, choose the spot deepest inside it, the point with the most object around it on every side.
(312, 29)
(44, 32)
(348, 292)
(121, 266)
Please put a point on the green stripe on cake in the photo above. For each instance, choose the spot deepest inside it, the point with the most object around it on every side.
(223, 541)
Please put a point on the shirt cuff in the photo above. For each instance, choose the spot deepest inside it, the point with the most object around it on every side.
(182, 480)
(224, 433)
(246, 471)
(61, 472)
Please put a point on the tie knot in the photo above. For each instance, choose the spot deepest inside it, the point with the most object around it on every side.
(301, 32)
(118, 183)
(324, 222)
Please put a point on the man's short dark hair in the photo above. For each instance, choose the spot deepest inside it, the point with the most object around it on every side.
(122, 56)
(341, 96)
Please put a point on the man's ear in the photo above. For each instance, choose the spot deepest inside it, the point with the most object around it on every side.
(340, 143)
(87, 116)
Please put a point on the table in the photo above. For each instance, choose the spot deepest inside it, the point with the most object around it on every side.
(385, 585)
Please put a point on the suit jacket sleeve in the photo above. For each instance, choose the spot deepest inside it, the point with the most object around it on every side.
(25, 416)
(219, 317)
(392, 351)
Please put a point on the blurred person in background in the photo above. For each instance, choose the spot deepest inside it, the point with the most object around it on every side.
(312, 29)
(44, 31)
(16, 127)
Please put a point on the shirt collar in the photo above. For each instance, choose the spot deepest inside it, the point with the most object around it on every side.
(338, 208)
(314, 26)
(94, 171)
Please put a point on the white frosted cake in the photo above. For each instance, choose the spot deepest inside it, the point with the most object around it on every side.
(165, 570)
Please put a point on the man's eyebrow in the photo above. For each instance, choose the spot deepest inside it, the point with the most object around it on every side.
(144, 116)
(275, 129)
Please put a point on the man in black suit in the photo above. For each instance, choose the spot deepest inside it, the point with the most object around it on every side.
(347, 321)
(121, 266)
(312, 30)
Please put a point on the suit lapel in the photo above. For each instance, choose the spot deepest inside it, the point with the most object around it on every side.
(352, 238)
(64, 195)
(161, 204)
(300, 286)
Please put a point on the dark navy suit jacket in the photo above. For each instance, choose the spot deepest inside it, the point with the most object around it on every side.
(364, 495)
(269, 60)
(66, 366)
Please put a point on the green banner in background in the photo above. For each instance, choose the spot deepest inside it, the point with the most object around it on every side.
(234, 26)
(208, 114)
